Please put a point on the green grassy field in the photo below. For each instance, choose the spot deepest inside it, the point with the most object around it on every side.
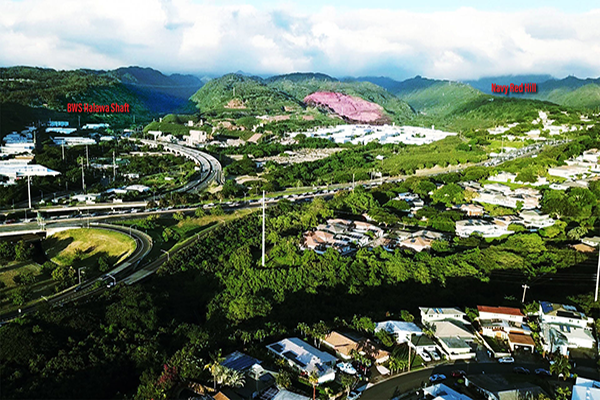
(12, 269)
(83, 247)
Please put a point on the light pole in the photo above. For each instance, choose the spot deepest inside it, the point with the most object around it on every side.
(113, 278)
(525, 287)
(167, 253)
(79, 273)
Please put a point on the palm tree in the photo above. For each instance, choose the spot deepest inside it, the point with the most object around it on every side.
(233, 378)
(313, 378)
(397, 364)
(215, 367)
(561, 366)
(429, 329)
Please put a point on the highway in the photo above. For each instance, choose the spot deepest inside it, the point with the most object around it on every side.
(122, 270)
(211, 167)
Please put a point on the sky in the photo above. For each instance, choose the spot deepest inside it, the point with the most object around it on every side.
(399, 39)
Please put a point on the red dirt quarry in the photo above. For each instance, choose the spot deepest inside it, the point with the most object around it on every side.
(348, 107)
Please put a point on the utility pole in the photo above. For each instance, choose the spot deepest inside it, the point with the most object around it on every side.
(409, 349)
(82, 176)
(87, 156)
(63, 149)
(597, 279)
(263, 230)
(114, 167)
(525, 287)
(79, 273)
(352, 181)
(29, 189)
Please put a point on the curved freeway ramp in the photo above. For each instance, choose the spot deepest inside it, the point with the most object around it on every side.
(211, 167)
(121, 271)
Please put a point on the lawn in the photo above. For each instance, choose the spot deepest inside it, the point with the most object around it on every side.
(12, 269)
(83, 247)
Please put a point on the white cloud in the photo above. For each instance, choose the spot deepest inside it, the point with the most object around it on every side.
(185, 36)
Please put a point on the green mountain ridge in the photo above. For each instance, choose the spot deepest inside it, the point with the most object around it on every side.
(278, 93)
(148, 92)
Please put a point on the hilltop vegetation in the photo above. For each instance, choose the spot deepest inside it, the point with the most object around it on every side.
(285, 93)
(145, 90)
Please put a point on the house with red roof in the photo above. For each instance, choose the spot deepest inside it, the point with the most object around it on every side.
(500, 322)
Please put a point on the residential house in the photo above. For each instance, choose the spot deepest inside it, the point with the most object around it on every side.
(519, 341)
(585, 389)
(503, 177)
(432, 235)
(401, 330)
(502, 321)
(569, 171)
(257, 380)
(560, 338)
(341, 234)
(305, 358)
(591, 241)
(442, 392)
(417, 244)
(431, 314)
(466, 228)
(455, 338)
(496, 187)
(472, 210)
(535, 219)
(502, 387)
(505, 220)
(344, 345)
(553, 313)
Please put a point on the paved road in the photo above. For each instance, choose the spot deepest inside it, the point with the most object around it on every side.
(143, 247)
(411, 381)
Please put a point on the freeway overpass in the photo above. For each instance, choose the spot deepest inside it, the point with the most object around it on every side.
(211, 167)
(124, 269)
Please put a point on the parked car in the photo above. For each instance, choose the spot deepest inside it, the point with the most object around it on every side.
(434, 354)
(542, 372)
(506, 360)
(346, 368)
(521, 371)
(437, 378)
(458, 373)
(425, 356)
(354, 395)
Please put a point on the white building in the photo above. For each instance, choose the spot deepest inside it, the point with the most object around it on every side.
(196, 137)
(502, 321)
(58, 123)
(553, 313)
(431, 314)
(503, 177)
(487, 229)
(73, 141)
(443, 392)
(15, 169)
(560, 338)
(385, 134)
(306, 358)
(96, 126)
(535, 219)
(137, 188)
(62, 131)
(585, 389)
(569, 171)
(401, 330)
(18, 143)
